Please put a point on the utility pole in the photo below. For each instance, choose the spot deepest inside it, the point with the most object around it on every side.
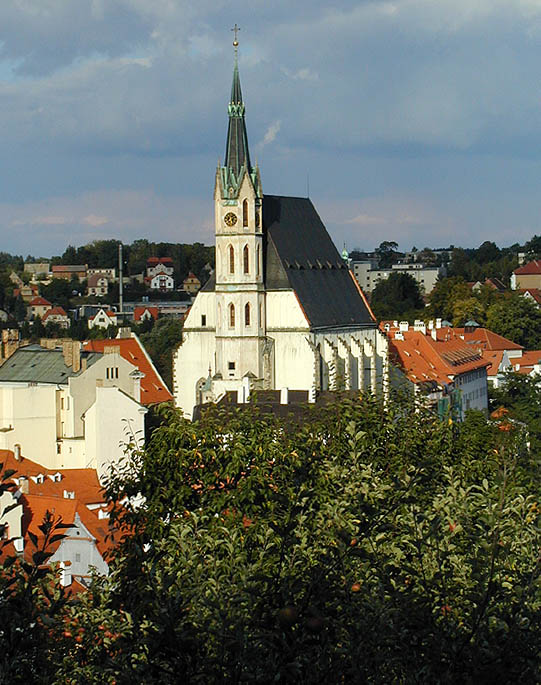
(120, 279)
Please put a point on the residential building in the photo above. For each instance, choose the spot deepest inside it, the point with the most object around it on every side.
(141, 314)
(368, 274)
(40, 270)
(97, 285)
(56, 315)
(161, 281)
(110, 274)
(103, 319)
(27, 291)
(527, 276)
(532, 294)
(159, 265)
(38, 306)
(282, 309)
(69, 408)
(441, 370)
(69, 271)
(191, 284)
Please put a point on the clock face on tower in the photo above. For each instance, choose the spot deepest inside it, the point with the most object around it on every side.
(230, 219)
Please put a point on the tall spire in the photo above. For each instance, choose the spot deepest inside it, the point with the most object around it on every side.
(237, 155)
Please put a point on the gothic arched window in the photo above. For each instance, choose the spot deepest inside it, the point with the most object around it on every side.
(231, 259)
(247, 314)
(246, 259)
(245, 213)
(257, 260)
(231, 316)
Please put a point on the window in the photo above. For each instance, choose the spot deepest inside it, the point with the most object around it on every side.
(257, 261)
(231, 260)
(245, 213)
(203, 319)
(77, 557)
(231, 366)
(231, 316)
(247, 314)
(246, 259)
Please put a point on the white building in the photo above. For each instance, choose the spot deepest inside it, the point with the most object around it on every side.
(103, 319)
(162, 281)
(282, 309)
(368, 274)
(68, 409)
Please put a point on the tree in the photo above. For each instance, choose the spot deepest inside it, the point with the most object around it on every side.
(396, 296)
(19, 311)
(386, 253)
(58, 292)
(518, 319)
(160, 342)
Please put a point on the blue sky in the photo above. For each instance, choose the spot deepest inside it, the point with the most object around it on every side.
(414, 120)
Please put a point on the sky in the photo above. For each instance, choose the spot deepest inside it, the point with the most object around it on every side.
(417, 121)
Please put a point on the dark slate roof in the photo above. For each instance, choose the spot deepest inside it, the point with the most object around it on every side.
(300, 255)
(35, 364)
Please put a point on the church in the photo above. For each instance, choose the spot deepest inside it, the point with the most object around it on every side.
(282, 309)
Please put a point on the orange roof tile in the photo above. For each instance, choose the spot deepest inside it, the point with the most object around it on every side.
(534, 293)
(83, 482)
(532, 268)
(139, 311)
(424, 359)
(153, 388)
(39, 301)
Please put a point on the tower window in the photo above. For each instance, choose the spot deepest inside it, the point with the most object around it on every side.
(247, 314)
(245, 213)
(203, 319)
(231, 260)
(231, 316)
(246, 259)
(257, 260)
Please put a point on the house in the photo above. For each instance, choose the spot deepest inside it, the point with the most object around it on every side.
(161, 281)
(68, 407)
(282, 309)
(446, 373)
(527, 276)
(27, 292)
(191, 284)
(159, 265)
(493, 283)
(532, 294)
(39, 306)
(69, 271)
(40, 270)
(73, 497)
(56, 315)
(97, 284)
(141, 314)
(103, 319)
(109, 273)
(153, 389)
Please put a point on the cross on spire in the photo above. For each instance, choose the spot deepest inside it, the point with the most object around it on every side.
(236, 30)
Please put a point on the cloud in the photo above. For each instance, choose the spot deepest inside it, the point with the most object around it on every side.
(93, 220)
(270, 134)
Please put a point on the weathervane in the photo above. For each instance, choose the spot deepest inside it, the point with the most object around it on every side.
(236, 30)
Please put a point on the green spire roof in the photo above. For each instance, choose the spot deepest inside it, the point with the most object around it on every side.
(237, 155)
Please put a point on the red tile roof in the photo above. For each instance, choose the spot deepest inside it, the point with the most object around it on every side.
(159, 260)
(532, 268)
(54, 311)
(40, 301)
(486, 339)
(66, 268)
(83, 482)
(527, 361)
(153, 388)
(139, 311)
(534, 293)
(426, 360)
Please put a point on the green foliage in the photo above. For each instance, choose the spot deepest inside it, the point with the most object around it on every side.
(396, 297)
(58, 292)
(521, 395)
(386, 253)
(160, 342)
(370, 544)
(516, 318)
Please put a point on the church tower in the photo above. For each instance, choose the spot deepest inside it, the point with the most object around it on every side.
(240, 296)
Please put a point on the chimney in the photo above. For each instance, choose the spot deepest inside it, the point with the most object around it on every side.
(76, 355)
(430, 325)
(111, 349)
(23, 485)
(17, 452)
(124, 332)
(434, 334)
(438, 323)
(18, 543)
(65, 573)
(404, 326)
(67, 351)
(284, 395)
